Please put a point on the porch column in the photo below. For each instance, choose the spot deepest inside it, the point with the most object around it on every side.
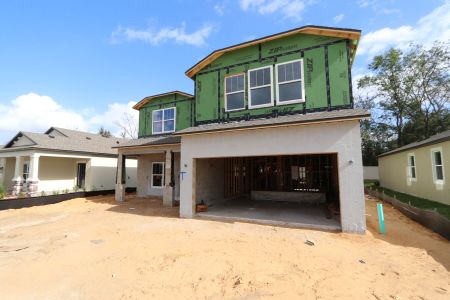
(169, 185)
(33, 180)
(17, 179)
(120, 179)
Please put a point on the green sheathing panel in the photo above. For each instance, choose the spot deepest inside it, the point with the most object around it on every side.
(210, 81)
(183, 112)
(339, 82)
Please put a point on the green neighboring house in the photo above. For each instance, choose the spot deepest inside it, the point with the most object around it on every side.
(270, 128)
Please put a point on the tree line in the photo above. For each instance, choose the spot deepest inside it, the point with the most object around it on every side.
(408, 95)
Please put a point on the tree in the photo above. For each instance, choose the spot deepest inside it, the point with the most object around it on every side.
(128, 127)
(408, 96)
(431, 87)
(392, 84)
(104, 133)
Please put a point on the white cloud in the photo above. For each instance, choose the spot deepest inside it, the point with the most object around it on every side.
(434, 26)
(338, 18)
(165, 34)
(220, 8)
(115, 113)
(290, 9)
(37, 113)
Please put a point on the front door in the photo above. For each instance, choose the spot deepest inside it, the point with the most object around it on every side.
(81, 174)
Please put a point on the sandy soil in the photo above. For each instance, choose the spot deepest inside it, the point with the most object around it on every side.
(95, 249)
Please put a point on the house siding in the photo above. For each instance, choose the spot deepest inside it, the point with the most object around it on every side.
(183, 106)
(209, 82)
(393, 173)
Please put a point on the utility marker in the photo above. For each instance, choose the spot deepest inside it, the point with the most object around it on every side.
(381, 218)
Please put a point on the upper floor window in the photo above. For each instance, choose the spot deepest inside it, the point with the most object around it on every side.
(411, 166)
(163, 120)
(234, 92)
(289, 82)
(438, 167)
(260, 87)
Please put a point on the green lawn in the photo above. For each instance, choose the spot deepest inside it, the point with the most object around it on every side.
(442, 209)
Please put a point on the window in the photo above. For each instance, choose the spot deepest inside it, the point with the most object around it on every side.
(289, 82)
(234, 92)
(438, 167)
(163, 120)
(157, 175)
(260, 87)
(26, 170)
(411, 166)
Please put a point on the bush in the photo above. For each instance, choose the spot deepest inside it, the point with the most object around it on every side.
(2, 192)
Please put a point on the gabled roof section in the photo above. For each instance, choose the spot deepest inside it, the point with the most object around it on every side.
(17, 137)
(353, 34)
(435, 139)
(150, 98)
(66, 140)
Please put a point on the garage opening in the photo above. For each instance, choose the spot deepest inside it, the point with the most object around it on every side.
(292, 190)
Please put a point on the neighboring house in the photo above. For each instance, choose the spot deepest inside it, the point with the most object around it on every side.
(371, 173)
(59, 160)
(420, 169)
(271, 119)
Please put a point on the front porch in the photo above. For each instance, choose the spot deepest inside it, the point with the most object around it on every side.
(36, 173)
(158, 171)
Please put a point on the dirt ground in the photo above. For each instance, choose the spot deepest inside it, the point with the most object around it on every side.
(96, 249)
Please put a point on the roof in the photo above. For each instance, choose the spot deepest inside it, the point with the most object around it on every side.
(353, 34)
(151, 141)
(438, 138)
(61, 139)
(324, 116)
(150, 98)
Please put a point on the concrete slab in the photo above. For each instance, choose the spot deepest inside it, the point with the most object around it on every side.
(274, 213)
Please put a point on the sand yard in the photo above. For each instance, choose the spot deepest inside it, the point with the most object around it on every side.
(96, 249)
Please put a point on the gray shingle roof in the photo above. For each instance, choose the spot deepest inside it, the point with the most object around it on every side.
(69, 141)
(151, 141)
(437, 138)
(281, 120)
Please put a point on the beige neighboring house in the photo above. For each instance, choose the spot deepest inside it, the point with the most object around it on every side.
(421, 169)
(60, 160)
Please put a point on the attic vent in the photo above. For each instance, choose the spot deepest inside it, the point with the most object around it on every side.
(51, 136)
(88, 138)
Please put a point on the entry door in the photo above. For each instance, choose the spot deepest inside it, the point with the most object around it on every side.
(81, 174)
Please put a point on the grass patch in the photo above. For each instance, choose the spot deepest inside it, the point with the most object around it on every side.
(421, 203)
(371, 183)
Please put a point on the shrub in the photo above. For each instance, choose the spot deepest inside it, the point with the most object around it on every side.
(55, 192)
(2, 192)
(43, 194)
(21, 195)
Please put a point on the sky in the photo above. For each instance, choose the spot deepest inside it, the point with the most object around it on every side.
(84, 64)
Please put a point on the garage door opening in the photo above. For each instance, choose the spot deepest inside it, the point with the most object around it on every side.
(291, 190)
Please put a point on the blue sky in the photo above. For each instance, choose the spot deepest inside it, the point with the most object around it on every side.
(82, 64)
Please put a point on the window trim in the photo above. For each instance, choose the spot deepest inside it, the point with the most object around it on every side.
(174, 120)
(410, 167)
(303, 99)
(433, 166)
(231, 93)
(250, 106)
(163, 175)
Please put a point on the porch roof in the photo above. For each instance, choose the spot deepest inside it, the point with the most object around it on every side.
(317, 117)
(151, 141)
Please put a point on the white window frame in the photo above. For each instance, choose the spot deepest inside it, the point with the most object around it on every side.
(27, 164)
(231, 93)
(250, 88)
(162, 120)
(163, 175)
(433, 166)
(410, 167)
(301, 100)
